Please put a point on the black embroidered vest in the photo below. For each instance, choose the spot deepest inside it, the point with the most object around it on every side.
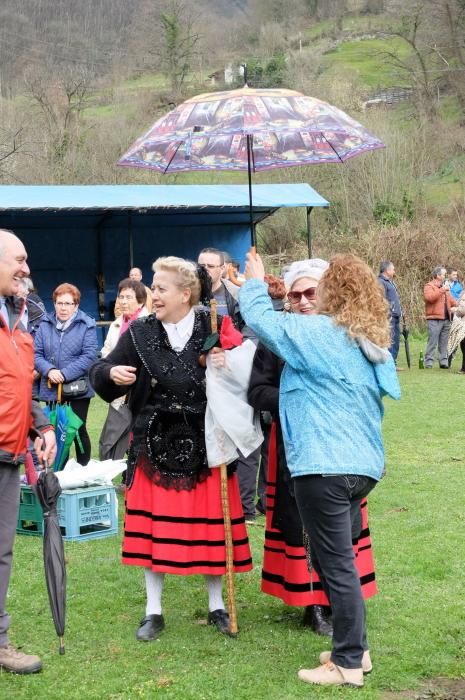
(169, 432)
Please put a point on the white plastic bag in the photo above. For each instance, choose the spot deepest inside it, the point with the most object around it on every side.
(230, 422)
(75, 476)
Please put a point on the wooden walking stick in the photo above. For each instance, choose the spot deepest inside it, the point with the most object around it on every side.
(228, 540)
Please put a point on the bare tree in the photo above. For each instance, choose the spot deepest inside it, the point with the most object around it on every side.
(12, 144)
(61, 95)
(417, 67)
(180, 38)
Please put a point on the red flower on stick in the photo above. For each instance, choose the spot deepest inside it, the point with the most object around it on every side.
(229, 336)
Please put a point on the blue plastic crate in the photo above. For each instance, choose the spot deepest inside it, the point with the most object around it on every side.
(83, 514)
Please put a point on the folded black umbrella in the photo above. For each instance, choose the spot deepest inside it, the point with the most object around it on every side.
(405, 333)
(48, 490)
(114, 438)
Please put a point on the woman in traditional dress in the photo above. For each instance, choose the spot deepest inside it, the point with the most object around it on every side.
(285, 572)
(173, 521)
(337, 369)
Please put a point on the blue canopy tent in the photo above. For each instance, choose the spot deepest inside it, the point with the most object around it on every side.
(91, 235)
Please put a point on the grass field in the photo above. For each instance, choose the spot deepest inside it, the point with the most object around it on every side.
(416, 624)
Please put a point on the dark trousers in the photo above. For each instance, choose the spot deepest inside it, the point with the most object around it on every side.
(9, 506)
(81, 408)
(328, 506)
(263, 469)
(395, 337)
(247, 468)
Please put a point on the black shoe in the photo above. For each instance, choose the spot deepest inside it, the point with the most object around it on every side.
(318, 618)
(150, 628)
(220, 619)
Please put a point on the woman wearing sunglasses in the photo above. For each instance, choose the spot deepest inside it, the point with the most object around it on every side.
(285, 573)
(337, 370)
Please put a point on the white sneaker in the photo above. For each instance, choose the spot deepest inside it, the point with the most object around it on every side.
(367, 666)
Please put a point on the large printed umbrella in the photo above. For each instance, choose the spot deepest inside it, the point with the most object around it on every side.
(249, 129)
(48, 490)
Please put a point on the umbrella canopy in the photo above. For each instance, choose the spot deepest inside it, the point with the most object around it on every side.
(283, 128)
(48, 490)
(249, 129)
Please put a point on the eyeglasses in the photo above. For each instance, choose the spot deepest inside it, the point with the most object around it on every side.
(65, 303)
(295, 297)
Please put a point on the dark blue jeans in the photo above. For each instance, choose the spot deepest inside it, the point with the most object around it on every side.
(395, 336)
(328, 506)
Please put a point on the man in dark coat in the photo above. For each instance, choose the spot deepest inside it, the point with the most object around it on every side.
(386, 280)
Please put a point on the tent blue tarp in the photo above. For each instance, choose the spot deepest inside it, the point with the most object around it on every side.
(80, 233)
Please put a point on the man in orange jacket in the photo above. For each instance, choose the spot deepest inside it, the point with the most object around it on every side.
(18, 415)
(439, 308)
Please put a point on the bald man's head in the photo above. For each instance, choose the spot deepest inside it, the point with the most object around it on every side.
(13, 265)
(135, 273)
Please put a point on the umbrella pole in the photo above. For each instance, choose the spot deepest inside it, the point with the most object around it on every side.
(249, 173)
(228, 540)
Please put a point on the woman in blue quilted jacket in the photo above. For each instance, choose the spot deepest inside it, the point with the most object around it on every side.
(337, 370)
(65, 347)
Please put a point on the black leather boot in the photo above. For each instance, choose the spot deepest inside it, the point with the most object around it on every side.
(318, 617)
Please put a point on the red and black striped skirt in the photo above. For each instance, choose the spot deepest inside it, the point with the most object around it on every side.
(182, 532)
(285, 573)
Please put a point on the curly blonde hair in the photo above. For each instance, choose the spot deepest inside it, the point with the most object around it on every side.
(350, 293)
(186, 274)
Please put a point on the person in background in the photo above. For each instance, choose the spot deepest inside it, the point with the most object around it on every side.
(225, 292)
(65, 347)
(457, 333)
(18, 412)
(439, 309)
(386, 280)
(34, 310)
(454, 284)
(135, 274)
(132, 298)
(173, 522)
(337, 369)
(285, 571)
(237, 271)
(277, 292)
(227, 264)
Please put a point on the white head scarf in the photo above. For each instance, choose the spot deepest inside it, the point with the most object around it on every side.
(313, 268)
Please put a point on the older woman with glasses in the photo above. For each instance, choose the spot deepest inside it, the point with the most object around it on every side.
(337, 370)
(65, 347)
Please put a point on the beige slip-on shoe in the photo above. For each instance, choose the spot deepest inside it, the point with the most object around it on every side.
(330, 674)
(367, 666)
